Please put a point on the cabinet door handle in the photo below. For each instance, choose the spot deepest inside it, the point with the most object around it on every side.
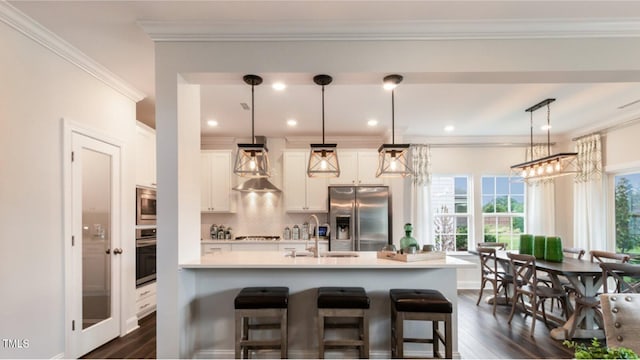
(108, 251)
(117, 251)
(144, 293)
(144, 306)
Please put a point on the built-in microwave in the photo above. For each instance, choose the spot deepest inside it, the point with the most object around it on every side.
(145, 206)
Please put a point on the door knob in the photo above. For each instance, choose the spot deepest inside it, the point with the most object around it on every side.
(117, 251)
(108, 251)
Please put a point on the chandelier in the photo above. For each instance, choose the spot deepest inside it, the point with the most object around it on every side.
(549, 166)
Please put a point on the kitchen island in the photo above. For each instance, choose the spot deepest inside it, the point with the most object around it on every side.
(212, 282)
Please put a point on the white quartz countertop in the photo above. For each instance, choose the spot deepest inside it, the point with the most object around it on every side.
(277, 259)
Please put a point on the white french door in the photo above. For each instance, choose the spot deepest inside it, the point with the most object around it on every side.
(93, 300)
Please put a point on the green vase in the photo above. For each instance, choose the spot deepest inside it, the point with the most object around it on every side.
(408, 241)
(526, 244)
(539, 244)
(553, 250)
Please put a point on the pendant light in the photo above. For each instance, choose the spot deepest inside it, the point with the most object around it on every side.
(393, 159)
(323, 158)
(549, 166)
(252, 159)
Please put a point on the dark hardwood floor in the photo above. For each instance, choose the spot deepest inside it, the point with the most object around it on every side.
(139, 344)
(480, 336)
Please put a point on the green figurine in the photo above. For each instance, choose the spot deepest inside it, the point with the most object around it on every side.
(408, 241)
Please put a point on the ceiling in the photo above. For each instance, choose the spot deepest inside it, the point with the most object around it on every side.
(475, 105)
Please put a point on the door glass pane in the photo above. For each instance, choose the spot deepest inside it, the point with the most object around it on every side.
(96, 237)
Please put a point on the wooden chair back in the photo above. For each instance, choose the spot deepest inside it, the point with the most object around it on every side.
(523, 269)
(608, 256)
(488, 263)
(626, 277)
(496, 245)
(574, 252)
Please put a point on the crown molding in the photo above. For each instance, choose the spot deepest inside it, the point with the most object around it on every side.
(34, 30)
(389, 30)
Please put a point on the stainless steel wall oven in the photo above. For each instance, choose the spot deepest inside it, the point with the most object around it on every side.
(145, 256)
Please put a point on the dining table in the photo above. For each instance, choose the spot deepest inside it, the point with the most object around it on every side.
(585, 277)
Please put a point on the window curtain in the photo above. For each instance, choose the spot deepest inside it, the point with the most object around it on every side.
(420, 193)
(541, 213)
(588, 196)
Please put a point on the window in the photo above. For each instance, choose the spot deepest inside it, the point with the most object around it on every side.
(503, 204)
(627, 214)
(451, 212)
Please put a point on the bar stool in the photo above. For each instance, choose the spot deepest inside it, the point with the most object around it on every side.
(419, 304)
(255, 303)
(343, 302)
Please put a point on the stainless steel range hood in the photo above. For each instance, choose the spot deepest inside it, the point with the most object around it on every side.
(257, 184)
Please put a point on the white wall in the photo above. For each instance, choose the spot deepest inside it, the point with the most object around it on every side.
(38, 90)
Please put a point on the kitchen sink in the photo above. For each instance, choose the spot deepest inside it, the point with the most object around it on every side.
(340, 254)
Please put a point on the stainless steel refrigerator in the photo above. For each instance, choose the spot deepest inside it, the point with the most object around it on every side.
(359, 217)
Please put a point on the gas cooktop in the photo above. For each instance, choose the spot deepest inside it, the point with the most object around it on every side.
(258, 238)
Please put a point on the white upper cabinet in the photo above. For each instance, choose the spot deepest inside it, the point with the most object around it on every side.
(215, 187)
(357, 167)
(302, 193)
(145, 155)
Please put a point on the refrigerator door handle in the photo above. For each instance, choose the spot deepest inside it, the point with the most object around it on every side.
(356, 220)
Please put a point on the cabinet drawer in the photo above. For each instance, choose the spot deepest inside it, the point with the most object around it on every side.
(145, 306)
(255, 247)
(145, 291)
(211, 248)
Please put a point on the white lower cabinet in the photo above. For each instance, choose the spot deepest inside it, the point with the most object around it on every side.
(255, 247)
(211, 248)
(145, 300)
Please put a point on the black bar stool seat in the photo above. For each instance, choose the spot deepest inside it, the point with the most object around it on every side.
(254, 303)
(425, 305)
(343, 302)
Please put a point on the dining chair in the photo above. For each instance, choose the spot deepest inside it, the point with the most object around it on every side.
(592, 303)
(621, 320)
(608, 256)
(496, 245)
(625, 276)
(575, 253)
(490, 274)
(524, 274)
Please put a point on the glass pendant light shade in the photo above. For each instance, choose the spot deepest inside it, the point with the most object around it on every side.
(323, 161)
(393, 159)
(323, 158)
(252, 160)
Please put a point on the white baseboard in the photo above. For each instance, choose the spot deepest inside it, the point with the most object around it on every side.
(468, 285)
(132, 324)
(59, 356)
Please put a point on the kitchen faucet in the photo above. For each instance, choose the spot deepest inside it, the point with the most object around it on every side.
(316, 250)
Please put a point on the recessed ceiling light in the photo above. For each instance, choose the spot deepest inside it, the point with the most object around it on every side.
(292, 122)
(212, 123)
(545, 127)
(372, 122)
(279, 86)
(449, 128)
